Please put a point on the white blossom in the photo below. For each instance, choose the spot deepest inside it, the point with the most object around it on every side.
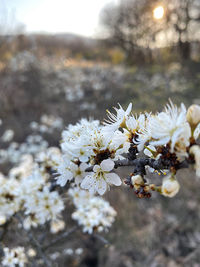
(91, 212)
(100, 179)
(169, 126)
(14, 257)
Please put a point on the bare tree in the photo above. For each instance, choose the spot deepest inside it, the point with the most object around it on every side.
(183, 16)
(130, 25)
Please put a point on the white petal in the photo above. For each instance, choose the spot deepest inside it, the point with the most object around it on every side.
(175, 137)
(140, 146)
(197, 132)
(83, 158)
(113, 178)
(73, 167)
(101, 186)
(129, 109)
(107, 165)
(88, 183)
(96, 168)
(62, 180)
(78, 179)
(83, 166)
(160, 142)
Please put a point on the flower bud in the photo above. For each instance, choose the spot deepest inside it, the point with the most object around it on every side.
(31, 252)
(137, 180)
(170, 186)
(193, 115)
(195, 150)
(2, 219)
(57, 226)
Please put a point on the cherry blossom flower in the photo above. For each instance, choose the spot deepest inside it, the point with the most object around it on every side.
(100, 179)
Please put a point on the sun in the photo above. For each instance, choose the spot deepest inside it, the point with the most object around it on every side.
(158, 12)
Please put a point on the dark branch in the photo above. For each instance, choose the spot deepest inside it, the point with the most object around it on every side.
(142, 162)
(61, 237)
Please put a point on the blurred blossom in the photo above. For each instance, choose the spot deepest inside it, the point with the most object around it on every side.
(57, 226)
(55, 255)
(79, 251)
(31, 253)
(14, 257)
(68, 251)
(91, 211)
(7, 136)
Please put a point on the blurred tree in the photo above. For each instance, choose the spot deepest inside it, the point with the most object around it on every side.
(183, 16)
(131, 26)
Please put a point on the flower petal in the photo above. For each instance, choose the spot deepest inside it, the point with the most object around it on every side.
(113, 178)
(83, 158)
(101, 186)
(88, 181)
(96, 168)
(107, 165)
(129, 108)
(83, 166)
(160, 142)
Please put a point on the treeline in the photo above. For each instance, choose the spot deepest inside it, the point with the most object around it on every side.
(56, 46)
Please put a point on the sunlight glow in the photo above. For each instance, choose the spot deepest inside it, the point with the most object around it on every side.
(158, 12)
(57, 16)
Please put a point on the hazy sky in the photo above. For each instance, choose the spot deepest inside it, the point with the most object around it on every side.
(75, 16)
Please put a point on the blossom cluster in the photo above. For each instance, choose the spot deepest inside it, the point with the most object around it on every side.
(14, 257)
(83, 145)
(28, 193)
(41, 205)
(92, 151)
(92, 212)
(27, 189)
(33, 144)
(47, 124)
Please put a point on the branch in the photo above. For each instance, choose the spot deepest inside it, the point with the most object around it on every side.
(156, 164)
(102, 239)
(59, 238)
(35, 243)
(3, 233)
(142, 162)
(39, 249)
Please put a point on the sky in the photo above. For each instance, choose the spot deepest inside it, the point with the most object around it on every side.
(55, 16)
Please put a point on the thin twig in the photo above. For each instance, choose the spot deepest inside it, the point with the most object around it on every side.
(102, 239)
(35, 244)
(39, 249)
(59, 238)
(3, 233)
(190, 255)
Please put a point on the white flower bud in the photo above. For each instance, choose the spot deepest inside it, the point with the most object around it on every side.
(57, 226)
(195, 150)
(193, 115)
(137, 180)
(170, 186)
(2, 219)
(31, 253)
